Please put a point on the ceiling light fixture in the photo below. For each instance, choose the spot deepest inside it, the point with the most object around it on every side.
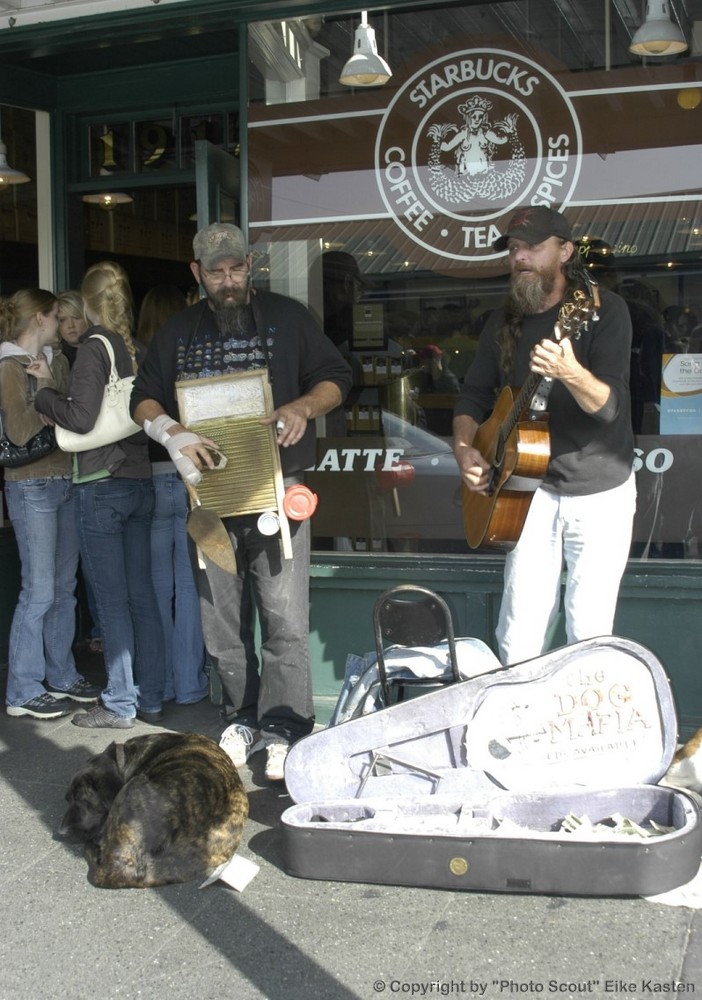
(107, 199)
(8, 174)
(365, 68)
(658, 35)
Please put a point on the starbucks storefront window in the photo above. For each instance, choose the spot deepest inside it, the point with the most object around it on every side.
(379, 207)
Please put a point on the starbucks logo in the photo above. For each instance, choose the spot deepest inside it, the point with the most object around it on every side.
(468, 139)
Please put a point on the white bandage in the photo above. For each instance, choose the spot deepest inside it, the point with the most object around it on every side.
(158, 431)
(158, 428)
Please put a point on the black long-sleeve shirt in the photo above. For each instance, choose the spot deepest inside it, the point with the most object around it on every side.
(590, 452)
(299, 356)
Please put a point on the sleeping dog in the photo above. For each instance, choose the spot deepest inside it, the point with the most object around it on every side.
(686, 768)
(163, 808)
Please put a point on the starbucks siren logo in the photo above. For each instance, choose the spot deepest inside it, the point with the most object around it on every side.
(468, 139)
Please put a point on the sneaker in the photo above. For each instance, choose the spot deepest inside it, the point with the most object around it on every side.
(101, 718)
(239, 742)
(81, 690)
(44, 706)
(275, 761)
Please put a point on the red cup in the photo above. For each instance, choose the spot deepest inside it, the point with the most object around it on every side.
(400, 474)
(299, 502)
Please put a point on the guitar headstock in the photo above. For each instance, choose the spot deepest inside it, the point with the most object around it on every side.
(577, 312)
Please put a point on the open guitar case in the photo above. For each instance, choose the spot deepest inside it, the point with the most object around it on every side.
(495, 784)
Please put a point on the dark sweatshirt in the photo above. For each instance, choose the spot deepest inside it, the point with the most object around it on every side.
(190, 346)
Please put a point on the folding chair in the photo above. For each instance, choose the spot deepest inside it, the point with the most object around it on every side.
(411, 615)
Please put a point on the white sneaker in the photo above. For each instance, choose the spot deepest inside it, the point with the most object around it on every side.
(239, 742)
(275, 761)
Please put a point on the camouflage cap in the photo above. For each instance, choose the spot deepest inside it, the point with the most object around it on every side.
(217, 242)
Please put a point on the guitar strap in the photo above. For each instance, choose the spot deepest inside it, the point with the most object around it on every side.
(539, 401)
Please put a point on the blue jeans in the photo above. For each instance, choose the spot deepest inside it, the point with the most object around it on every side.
(114, 527)
(176, 594)
(44, 622)
(279, 700)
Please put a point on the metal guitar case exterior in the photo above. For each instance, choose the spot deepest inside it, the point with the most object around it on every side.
(468, 787)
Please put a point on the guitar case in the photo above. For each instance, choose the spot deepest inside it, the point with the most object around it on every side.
(537, 778)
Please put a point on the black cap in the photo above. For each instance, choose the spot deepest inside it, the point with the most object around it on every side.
(534, 225)
(338, 264)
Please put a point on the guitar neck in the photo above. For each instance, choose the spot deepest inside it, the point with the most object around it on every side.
(521, 402)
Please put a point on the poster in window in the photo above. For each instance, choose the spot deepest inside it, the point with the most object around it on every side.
(681, 394)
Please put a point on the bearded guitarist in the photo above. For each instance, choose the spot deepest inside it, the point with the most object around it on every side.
(579, 482)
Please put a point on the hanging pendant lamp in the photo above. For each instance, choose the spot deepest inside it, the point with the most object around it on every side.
(365, 68)
(658, 35)
(107, 199)
(8, 174)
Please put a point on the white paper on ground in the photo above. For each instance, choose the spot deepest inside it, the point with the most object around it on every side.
(237, 873)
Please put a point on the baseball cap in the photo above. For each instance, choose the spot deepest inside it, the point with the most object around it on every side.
(217, 242)
(337, 264)
(534, 225)
(429, 351)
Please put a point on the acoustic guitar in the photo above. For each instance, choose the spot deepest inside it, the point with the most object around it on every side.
(515, 441)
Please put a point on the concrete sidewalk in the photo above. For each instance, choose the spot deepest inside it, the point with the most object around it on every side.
(285, 938)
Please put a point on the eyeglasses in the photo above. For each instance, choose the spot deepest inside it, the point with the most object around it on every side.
(220, 275)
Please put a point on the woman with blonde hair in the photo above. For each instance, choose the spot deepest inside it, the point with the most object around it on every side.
(114, 498)
(42, 676)
(72, 326)
(72, 322)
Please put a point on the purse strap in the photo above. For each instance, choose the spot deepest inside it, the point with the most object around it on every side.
(114, 376)
(110, 353)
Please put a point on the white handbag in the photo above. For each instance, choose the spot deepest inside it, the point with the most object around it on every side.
(114, 422)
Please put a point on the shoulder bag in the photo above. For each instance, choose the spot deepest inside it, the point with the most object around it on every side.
(114, 422)
(14, 456)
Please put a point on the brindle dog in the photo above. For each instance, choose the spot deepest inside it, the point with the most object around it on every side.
(169, 807)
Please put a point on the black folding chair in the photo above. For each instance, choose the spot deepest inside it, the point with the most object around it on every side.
(411, 615)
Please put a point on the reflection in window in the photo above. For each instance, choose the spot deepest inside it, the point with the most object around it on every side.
(408, 319)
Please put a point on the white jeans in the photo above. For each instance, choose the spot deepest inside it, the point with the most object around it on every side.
(592, 534)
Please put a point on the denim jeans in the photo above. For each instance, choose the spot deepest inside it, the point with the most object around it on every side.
(114, 527)
(44, 622)
(279, 700)
(592, 536)
(176, 594)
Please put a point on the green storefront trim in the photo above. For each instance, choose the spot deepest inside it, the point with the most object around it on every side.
(659, 606)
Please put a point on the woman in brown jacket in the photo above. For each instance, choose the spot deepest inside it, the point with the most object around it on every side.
(42, 678)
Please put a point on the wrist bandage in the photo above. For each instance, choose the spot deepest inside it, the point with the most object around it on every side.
(158, 430)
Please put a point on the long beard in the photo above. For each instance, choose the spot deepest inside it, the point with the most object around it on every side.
(230, 309)
(528, 293)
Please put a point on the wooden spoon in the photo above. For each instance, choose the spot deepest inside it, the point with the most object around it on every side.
(207, 530)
